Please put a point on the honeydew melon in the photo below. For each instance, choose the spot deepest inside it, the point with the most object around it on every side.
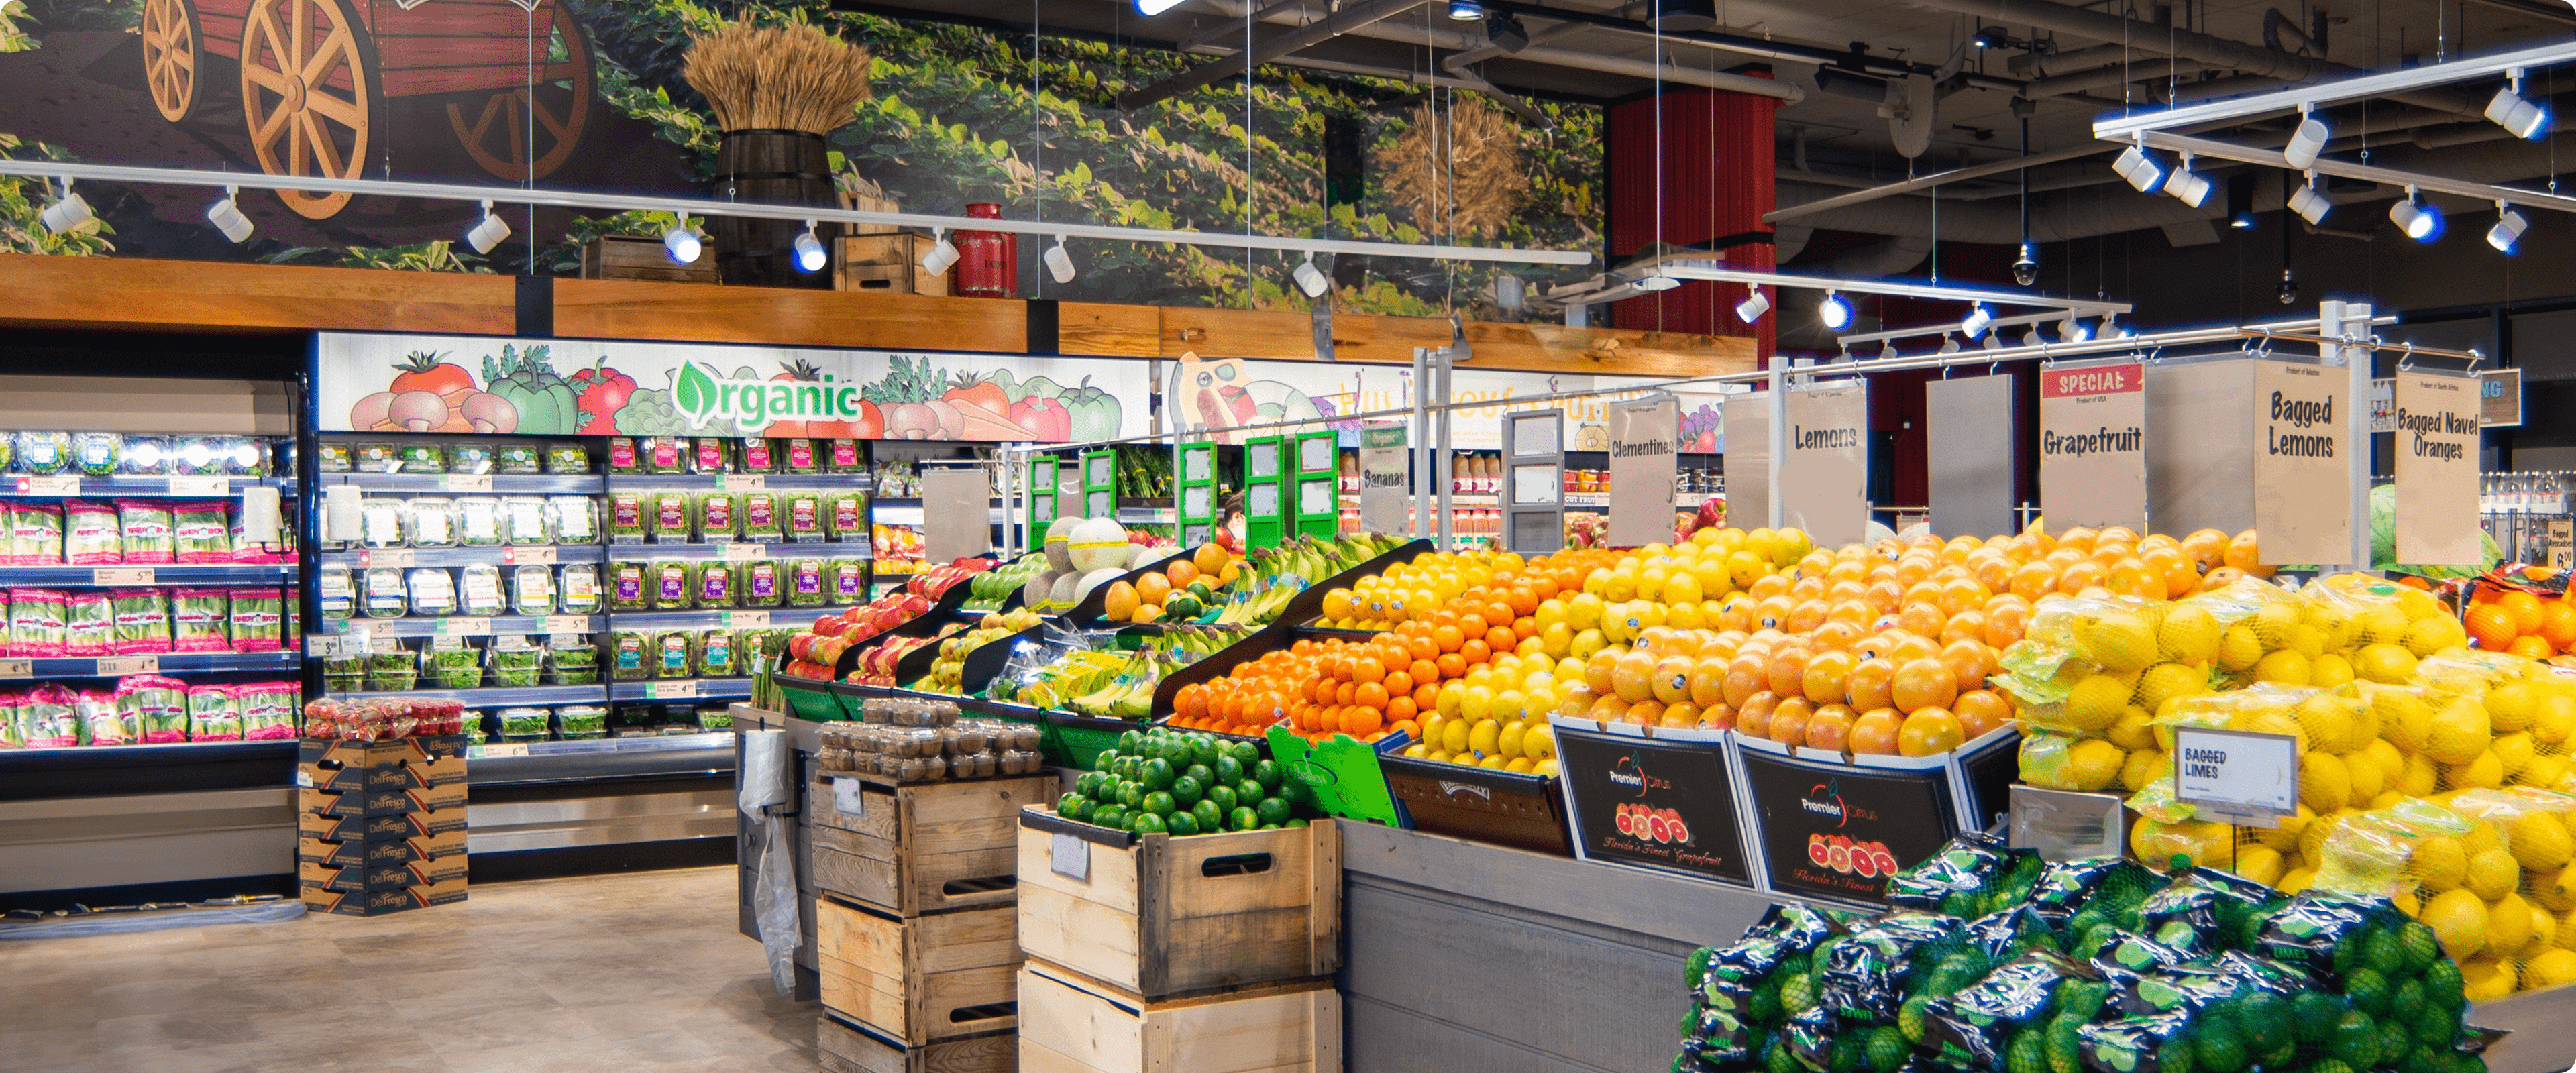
(1059, 550)
(1096, 544)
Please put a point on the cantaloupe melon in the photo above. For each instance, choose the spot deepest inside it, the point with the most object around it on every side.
(1040, 589)
(1067, 591)
(1095, 579)
(1138, 555)
(1098, 544)
(1059, 549)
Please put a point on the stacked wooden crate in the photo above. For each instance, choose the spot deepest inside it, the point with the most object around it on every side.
(914, 930)
(1211, 953)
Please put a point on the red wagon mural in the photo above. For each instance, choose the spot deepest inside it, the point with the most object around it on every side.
(315, 77)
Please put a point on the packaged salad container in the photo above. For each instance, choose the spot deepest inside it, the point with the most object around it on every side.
(392, 669)
(417, 457)
(515, 457)
(575, 519)
(525, 724)
(625, 517)
(848, 581)
(581, 722)
(630, 586)
(846, 514)
(761, 523)
(97, 453)
(667, 516)
(630, 656)
(384, 593)
(479, 591)
(623, 455)
(514, 663)
(804, 517)
(577, 589)
(845, 457)
(433, 590)
(715, 583)
(718, 516)
(478, 522)
(149, 456)
(44, 453)
(799, 455)
(665, 455)
(384, 522)
(454, 664)
(804, 583)
(573, 661)
(710, 454)
(532, 590)
(378, 458)
(523, 521)
(433, 522)
(336, 590)
(673, 585)
(469, 457)
(566, 457)
(758, 456)
(719, 656)
(757, 583)
(675, 654)
(328, 457)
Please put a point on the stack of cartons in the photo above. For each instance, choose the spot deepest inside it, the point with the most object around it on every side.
(380, 825)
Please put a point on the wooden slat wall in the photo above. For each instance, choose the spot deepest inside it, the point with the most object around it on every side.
(642, 309)
(129, 292)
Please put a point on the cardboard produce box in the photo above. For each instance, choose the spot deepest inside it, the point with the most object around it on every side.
(381, 802)
(421, 750)
(408, 775)
(362, 877)
(381, 828)
(380, 902)
(382, 851)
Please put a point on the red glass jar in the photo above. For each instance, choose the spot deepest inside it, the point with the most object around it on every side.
(988, 262)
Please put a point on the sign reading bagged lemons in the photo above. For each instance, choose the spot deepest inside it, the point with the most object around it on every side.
(2302, 487)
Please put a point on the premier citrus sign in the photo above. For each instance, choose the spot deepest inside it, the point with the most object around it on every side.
(702, 395)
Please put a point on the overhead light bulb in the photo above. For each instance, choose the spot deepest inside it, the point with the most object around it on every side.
(487, 232)
(1836, 313)
(1977, 319)
(1150, 8)
(1311, 279)
(1466, 11)
(682, 243)
(1059, 261)
(2288, 292)
(67, 212)
(2188, 186)
(2074, 330)
(810, 254)
(2416, 217)
(1658, 282)
(1991, 37)
(2306, 142)
(2309, 204)
(227, 218)
(2519, 117)
(2508, 229)
(2140, 169)
(1752, 308)
(941, 255)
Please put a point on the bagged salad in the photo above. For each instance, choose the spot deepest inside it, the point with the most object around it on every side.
(100, 722)
(214, 714)
(202, 531)
(49, 717)
(268, 710)
(158, 705)
(258, 619)
(37, 628)
(36, 534)
(92, 533)
(89, 624)
(150, 534)
(142, 620)
(200, 619)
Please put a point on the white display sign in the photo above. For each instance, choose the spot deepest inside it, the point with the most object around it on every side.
(2093, 445)
(2236, 775)
(1385, 479)
(1213, 397)
(1748, 465)
(2437, 425)
(1641, 471)
(1824, 479)
(1069, 856)
(2302, 479)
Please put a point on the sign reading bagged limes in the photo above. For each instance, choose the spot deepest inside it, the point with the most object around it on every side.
(2236, 775)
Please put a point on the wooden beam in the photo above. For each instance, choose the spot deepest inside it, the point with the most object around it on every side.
(1092, 329)
(140, 293)
(1555, 348)
(785, 316)
(1237, 333)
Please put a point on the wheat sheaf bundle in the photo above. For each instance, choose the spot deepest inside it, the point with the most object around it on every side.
(793, 77)
(1459, 177)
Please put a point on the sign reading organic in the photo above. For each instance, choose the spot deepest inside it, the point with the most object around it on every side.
(2437, 469)
(1660, 803)
(1839, 831)
(560, 387)
(2302, 483)
(2093, 445)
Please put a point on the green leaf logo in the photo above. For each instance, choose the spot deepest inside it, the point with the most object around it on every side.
(695, 395)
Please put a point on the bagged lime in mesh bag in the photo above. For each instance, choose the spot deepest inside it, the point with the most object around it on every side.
(1964, 874)
(1998, 1022)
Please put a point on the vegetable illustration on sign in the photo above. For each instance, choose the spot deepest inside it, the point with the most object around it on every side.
(546, 403)
(428, 394)
(604, 391)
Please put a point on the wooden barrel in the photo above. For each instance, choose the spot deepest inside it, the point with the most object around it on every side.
(779, 167)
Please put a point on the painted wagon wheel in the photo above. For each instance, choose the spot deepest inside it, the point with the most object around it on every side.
(170, 56)
(308, 95)
(497, 135)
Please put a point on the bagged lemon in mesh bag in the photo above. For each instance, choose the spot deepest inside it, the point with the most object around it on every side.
(2532, 828)
(2080, 661)
(2391, 625)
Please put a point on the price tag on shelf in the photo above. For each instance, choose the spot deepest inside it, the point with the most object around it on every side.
(121, 575)
(386, 557)
(687, 690)
(201, 486)
(2248, 778)
(49, 486)
(746, 482)
(465, 482)
(465, 626)
(567, 624)
(757, 620)
(1069, 856)
(742, 552)
(529, 556)
(114, 665)
(17, 668)
(318, 646)
(506, 748)
(303, 777)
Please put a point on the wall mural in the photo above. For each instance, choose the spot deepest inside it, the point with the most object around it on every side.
(587, 94)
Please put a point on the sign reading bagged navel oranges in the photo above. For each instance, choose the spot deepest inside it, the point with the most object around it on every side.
(2437, 468)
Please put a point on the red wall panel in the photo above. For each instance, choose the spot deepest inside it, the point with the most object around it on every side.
(1689, 166)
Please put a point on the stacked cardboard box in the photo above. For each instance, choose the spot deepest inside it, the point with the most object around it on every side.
(381, 825)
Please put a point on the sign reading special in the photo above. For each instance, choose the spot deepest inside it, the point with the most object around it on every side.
(1824, 479)
(2302, 479)
(1657, 802)
(2093, 445)
(1642, 445)
(2437, 468)
(1839, 831)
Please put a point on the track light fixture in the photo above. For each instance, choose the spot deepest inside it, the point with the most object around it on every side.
(2073, 330)
(66, 212)
(2307, 141)
(2188, 186)
(1834, 312)
(681, 241)
(2309, 204)
(227, 217)
(1152, 8)
(1752, 307)
(2509, 226)
(1887, 350)
(2416, 217)
(1992, 37)
(1658, 282)
(1059, 261)
(1977, 320)
(941, 255)
(2139, 167)
(1949, 343)
(1505, 32)
(2519, 117)
(1311, 279)
(1466, 11)
(487, 232)
(810, 254)
(2288, 292)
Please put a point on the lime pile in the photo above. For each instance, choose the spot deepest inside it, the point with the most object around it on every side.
(2081, 967)
(1161, 781)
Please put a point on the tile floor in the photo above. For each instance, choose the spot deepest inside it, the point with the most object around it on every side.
(626, 973)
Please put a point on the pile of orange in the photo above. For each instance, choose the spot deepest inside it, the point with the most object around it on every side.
(2522, 623)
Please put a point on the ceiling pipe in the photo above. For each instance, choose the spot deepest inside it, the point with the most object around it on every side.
(1746, 46)
(2215, 52)
(2113, 75)
(1786, 91)
(1935, 179)
(1341, 22)
(1222, 32)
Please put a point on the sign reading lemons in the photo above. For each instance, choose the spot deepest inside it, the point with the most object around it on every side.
(1824, 477)
(2093, 445)
(2302, 479)
(701, 396)
(2436, 520)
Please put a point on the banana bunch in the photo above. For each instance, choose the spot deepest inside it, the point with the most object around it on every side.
(1129, 693)
(1071, 675)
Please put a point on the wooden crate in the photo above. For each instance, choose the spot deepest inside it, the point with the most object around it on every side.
(1070, 1023)
(887, 264)
(634, 257)
(1160, 916)
(918, 979)
(843, 1047)
(923, 847)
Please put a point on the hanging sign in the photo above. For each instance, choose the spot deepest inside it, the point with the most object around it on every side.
(2436, 519)
(2093, 445)
(1969, 426)
(1748, 465)
(1825, 477)
(1385, 478)
(2302, 478)
(1642, 444)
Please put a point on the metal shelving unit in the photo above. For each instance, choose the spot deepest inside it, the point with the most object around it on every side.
(160, 574)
